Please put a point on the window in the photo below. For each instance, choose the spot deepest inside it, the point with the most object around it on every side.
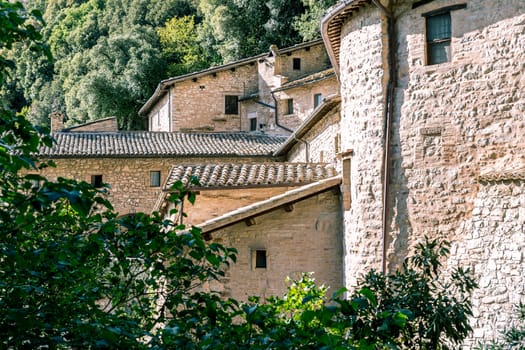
(318, 98)
(296, 64)
(260, 259)
(289, 106)
(438, 38)
(154, 178)
(231, 104)
(253, 124)
(96, 181)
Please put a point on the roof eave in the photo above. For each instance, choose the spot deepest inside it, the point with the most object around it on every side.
(330, 31)
(267, 205)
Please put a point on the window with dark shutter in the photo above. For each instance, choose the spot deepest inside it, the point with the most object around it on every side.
(231, 104)
(438, 38)
(296, 64)
(96, 181)
(154, 178)
(260, 259)
(318, 98)
(289, 106)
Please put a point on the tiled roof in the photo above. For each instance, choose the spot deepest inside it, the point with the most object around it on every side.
(159, 144)
(311, 78)
(250, 175)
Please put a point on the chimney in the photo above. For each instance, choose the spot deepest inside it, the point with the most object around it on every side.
(57, 121)
(274, 51)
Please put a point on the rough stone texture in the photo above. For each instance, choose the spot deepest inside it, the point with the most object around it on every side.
(450, 121)
(323, 142)
(493, 246)
(362, 122)
(303, 100)
(197, 102)
(129, 178)
(308, 238)
(106, 124)
(210, 204)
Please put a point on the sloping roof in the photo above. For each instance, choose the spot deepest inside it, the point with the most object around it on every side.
(249, 175)
(309, 79)
(267, 205)
(159, 144)
(112, 120)
(329, 103)
(332, 23)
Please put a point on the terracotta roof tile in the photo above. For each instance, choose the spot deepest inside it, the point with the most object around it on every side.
(249, 175)
(158, 144)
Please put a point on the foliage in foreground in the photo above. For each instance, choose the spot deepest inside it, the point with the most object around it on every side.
(75, 275)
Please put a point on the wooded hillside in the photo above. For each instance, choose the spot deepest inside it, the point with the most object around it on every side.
(109, 55)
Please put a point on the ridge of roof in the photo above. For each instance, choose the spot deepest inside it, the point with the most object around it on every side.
(159, 144)
(317, 114)
(307, 79)
(267, 205)
(247, 175)
(331, 26)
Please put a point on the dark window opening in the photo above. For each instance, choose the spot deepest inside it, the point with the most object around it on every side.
(438, 38)
(154, 178)
(96, 181)
(296, 64)
(289, 106)
(253, 124)
(260, 259)
(231, 104)
(318, 98)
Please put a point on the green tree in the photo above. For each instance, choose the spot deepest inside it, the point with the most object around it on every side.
(307, 23)
(180, 46)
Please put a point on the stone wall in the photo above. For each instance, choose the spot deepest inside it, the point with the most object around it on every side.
(129, 178)
(323, 142)
(493, 247)
(303, 100)
(308, 238)
(200, 105)
(362, 123)
(210, 203)
(450, 121)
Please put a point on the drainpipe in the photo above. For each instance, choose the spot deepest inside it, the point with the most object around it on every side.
(277, 115)
(392, 71)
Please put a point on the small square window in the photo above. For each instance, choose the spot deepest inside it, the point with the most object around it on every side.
(260, 259)
(154, 178)
(318, 98)
(296, 64)
(253, 124)
(231, 104)
(438, 38)
(96, 181)
(289, 106)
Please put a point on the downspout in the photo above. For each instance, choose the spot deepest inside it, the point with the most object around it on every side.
(277, 115)
(389, 110)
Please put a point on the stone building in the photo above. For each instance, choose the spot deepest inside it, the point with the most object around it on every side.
(432, 110)
(271, 93)
(136, 164)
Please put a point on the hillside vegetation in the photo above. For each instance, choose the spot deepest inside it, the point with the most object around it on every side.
(109, 55)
